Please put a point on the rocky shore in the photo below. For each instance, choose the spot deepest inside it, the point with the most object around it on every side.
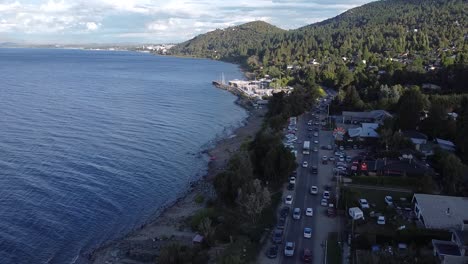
(143, 245)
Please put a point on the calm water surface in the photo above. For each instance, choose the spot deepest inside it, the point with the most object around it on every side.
(92, 143)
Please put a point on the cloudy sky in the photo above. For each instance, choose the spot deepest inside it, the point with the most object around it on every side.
(150, 21)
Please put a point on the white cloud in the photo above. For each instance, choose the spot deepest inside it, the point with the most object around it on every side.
(91, 26)
(154, 20)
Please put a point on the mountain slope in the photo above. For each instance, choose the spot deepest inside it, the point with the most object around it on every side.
(233, 43)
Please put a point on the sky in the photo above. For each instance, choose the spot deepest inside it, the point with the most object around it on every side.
(150, 21)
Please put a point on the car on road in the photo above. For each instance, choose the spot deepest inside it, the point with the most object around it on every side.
(305, 164)
(341, 168)
(291, 186)
(316, 142)
(363, 204)
(285, 211)
(389, 200)
(326, 195)
(331, 211)
(329, 147)
(324, 158)
(355, 147)
(315, 149)
(309, 211)
(288, 200)
(341, 158)
(297, 213)
(341, 148)
(348, 159)
(381, 220)
(292, 180)
(324, 202)
(315, 134)
(307, 232)
(337, 153)
(277, 236)
(309, 123)
(309, 135)
(310, 129)
(272, 252)
(313, 189)
(307, 256)
(314, 169)
(281, 223)
(332, 158)
(289, 249)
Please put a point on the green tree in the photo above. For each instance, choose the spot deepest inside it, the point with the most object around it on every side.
(462, 129)
(410, 105)
(453, 171)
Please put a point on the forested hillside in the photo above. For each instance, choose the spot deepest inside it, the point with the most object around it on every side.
(230, 44)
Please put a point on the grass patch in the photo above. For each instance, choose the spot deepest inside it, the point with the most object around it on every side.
(388, 181)
(334, 254)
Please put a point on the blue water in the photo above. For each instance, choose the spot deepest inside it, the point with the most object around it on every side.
(92, 143)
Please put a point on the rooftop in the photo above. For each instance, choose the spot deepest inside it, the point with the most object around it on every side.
(375, 114)
(442, 212)
(446, 248)
(414, 134)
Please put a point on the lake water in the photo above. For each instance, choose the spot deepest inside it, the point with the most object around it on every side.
(92, 143)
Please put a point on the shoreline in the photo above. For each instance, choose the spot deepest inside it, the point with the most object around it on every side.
(170, 225)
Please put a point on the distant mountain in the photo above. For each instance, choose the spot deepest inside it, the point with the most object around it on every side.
(233, 43)
(9, 45)
(386, 28)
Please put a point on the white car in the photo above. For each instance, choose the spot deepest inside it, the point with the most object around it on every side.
(316, 142)
(313, 189)
(315, 149)
(307, 232)
(341, 148)
(381, 220)
(297, 213)
(292, 180)
(305, 164)
(332, 158)
(341, 168)
(324, 202)
(342, 159)
(315, 134)
(326, 195)
(309, 212)
(389, 200)
(363, 204)
(288, 200)
(289, 249)
(324, 158)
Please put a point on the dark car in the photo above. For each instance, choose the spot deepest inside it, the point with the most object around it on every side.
(291, 186)
(272, 251)
(277, 237)
(285, 211)
(314, 169)
(309, 135)
(331, 212)
(307, 256)
(281, 223)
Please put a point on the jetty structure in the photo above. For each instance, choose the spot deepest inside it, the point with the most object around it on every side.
(255, 89)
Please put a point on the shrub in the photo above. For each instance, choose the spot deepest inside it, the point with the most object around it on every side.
(196, 219)
(199, 199)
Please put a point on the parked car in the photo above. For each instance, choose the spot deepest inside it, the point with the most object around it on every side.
(341, 158)
(331, 211)
(315, 149)
(288, 200)
(341, 148)
(389, 200)
(281, 223)
(307, 232)
(307, 256)
(285, 211)
(324, 158)
(324, 202)
(313, 189)
(297, 213)
(316, 142)
(277, 236)
(289, 249)
(291, 186)
(329, 147)
(381, 220)
(355, 213)
(348, 159)
(305, 164)
(326, 195)
(272, 252)
(332, 158)
(309, 212)
(292, 180)
(315, 134)
(363, 204)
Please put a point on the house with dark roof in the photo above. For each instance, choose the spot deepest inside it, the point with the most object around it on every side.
(375, 116)
(407, 165)
(416, 137)
(446, 145)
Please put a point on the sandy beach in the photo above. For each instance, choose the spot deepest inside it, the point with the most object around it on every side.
(142, 245)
